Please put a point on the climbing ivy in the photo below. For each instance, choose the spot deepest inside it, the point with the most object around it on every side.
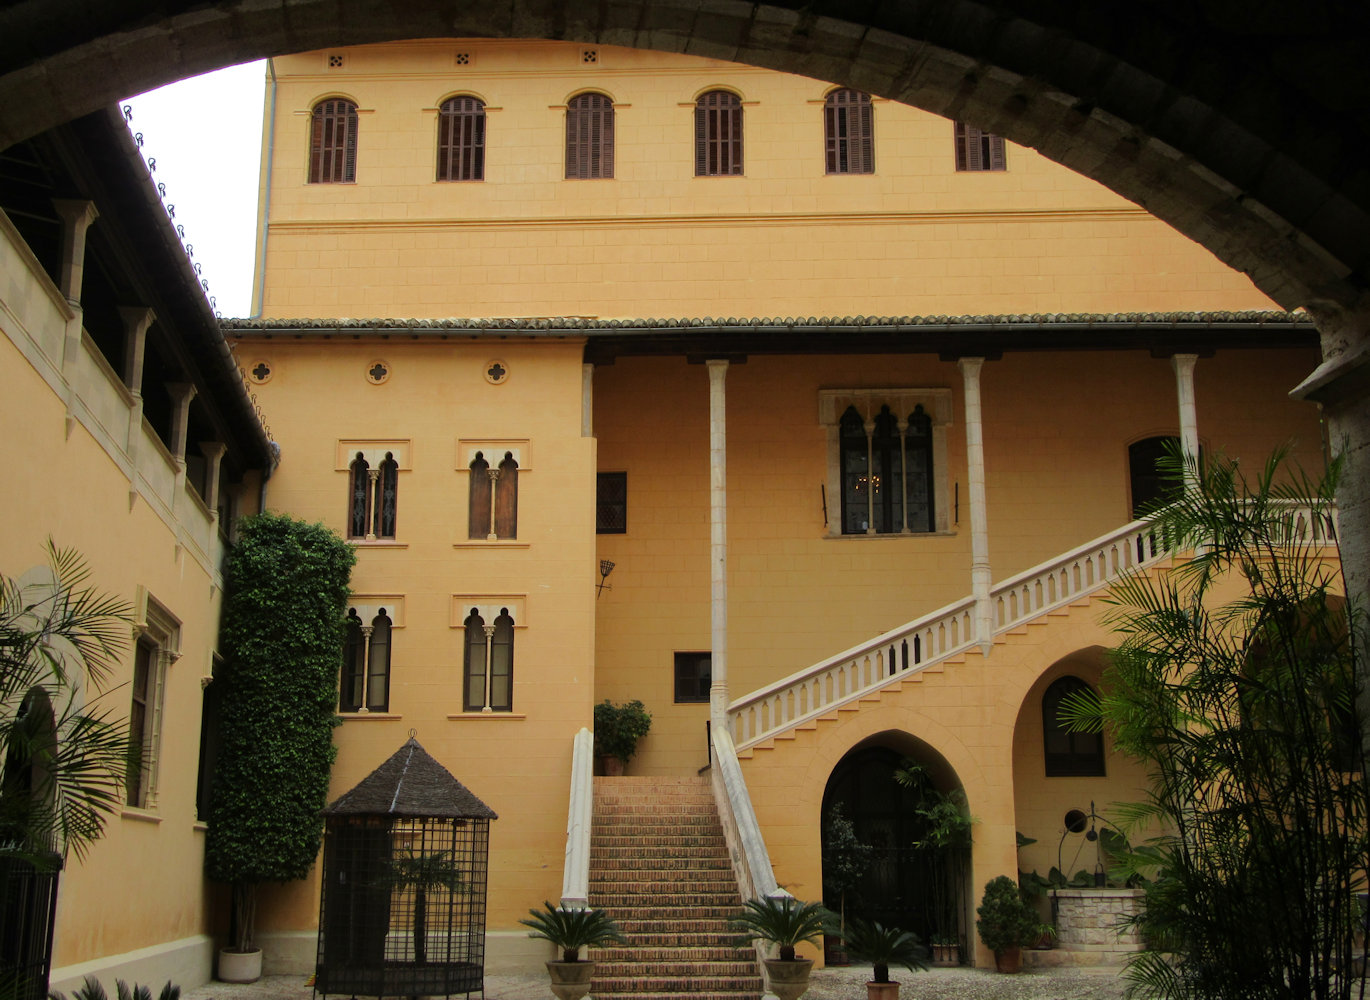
(281, 639)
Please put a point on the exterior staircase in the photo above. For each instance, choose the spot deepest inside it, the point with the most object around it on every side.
(659, 865)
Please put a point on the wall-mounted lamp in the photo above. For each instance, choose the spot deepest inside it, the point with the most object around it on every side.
(605, 568)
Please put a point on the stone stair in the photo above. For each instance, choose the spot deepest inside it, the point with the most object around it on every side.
(659, 865)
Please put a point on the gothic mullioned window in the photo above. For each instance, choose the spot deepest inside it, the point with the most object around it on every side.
(461, 139)
(589, 137)
(372, 497)
(366, 664)
(488, 665)
(978, 150)
(333, 142)
(849, 133)
(494, 497)
(886, 467)
(718, 134)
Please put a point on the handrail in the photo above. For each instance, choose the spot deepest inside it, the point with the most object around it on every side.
(923, 642)
(746, 847)
(575, 875)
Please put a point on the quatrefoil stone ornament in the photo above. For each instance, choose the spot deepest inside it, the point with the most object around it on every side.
(260, 372)
(496, 372)
(378, 372)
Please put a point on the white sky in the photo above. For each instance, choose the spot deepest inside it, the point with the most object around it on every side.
(206, 136)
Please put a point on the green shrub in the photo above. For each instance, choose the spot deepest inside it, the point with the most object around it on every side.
(571, 930)
(619, 727)
(1004, 920)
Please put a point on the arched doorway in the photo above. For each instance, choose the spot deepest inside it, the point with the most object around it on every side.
(904, 803)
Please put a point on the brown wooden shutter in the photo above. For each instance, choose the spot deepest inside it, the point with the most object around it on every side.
(590, 137)
(848, 133)
(478, 521)
(333, 142)
(461, 139)
(978, 150)
(718, 134)
(507, 498)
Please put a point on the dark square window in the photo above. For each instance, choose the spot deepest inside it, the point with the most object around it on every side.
(693, 675)
(611, 503)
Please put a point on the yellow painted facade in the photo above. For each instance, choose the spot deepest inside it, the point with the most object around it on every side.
(1061, 269)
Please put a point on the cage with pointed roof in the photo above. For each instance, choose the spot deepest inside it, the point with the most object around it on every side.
(402, 911)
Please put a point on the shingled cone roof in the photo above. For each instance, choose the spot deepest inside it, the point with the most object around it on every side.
(410, 783)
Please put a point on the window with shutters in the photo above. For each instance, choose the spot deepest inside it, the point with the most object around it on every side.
(488, 667)
(977, 150)
(461, 139)
(849, 133)
(1069, 754)
(494, 498)
(589, 137)
(365, 684)
(333, 142)
(887, 461)
(718, 134)
(372, 496)
(156, 648)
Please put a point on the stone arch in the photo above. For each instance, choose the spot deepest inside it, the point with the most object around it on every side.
(1223, 132)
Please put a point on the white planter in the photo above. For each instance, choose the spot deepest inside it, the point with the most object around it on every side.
(240, 966)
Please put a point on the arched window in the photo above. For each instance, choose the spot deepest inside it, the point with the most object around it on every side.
(372, 498)
(849, 134)
(887, 483)
(461, 139)
(977, 150)
(1068, 754)
(488, 668)
(494, 496)
(718, 134)
(365, 683)
(333, 142)
(589, 137)
(1150, 485)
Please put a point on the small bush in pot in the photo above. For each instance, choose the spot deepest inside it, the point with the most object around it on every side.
(1005, 922)
(619, 727)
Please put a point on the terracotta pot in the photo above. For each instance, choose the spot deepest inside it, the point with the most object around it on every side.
(240, 966)
(945, 955)
(882, 991)
(570, 980)
(834, 951)
(611, 767)
(788, 979)
(1008, 960)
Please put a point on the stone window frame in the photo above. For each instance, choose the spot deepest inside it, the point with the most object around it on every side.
(156, 635)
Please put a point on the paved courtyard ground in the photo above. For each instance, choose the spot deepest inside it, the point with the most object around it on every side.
(827, 984)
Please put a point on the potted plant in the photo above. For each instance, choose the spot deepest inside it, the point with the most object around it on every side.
(1006, 924)
(845, 860)
(945, 951)
(882, 947)
(569, 931)
(784, 921)
(617, 730)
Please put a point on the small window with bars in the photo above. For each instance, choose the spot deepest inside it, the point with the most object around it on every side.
(977, 150)
(849, 134)
(611, 503)
(333, 142)
(461, 139)
(589, 137)
(718, 134)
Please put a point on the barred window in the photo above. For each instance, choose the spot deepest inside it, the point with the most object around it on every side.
(977, 150)
(589, 137)
(461, 139)
(611, 503)
(848, 132)
(718, 134)
(333, 142)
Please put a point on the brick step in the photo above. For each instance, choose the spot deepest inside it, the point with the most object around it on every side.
(705, 968)
(713, 952)
(747, 994)
(692, 875)
(686, 867)
(672, 935)
(688, 906)
(699, 845)
(654, 821)
(676, 985)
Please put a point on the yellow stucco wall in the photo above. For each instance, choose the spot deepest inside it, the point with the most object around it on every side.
(914, 237)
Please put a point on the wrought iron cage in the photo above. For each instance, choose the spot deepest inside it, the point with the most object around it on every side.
(402, 911)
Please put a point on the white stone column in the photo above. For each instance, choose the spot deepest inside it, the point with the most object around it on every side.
(975, 475)
(718, 543)
(587, 400)
(1189, 421)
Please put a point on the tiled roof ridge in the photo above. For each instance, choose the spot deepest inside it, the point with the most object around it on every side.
(582, 323)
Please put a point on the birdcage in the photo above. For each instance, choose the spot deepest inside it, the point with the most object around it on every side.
(402, 911)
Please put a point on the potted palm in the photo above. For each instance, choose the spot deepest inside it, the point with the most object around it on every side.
(1006, 924)
(617, 730)
(569, 931)
(784, 921)
(882, 947)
